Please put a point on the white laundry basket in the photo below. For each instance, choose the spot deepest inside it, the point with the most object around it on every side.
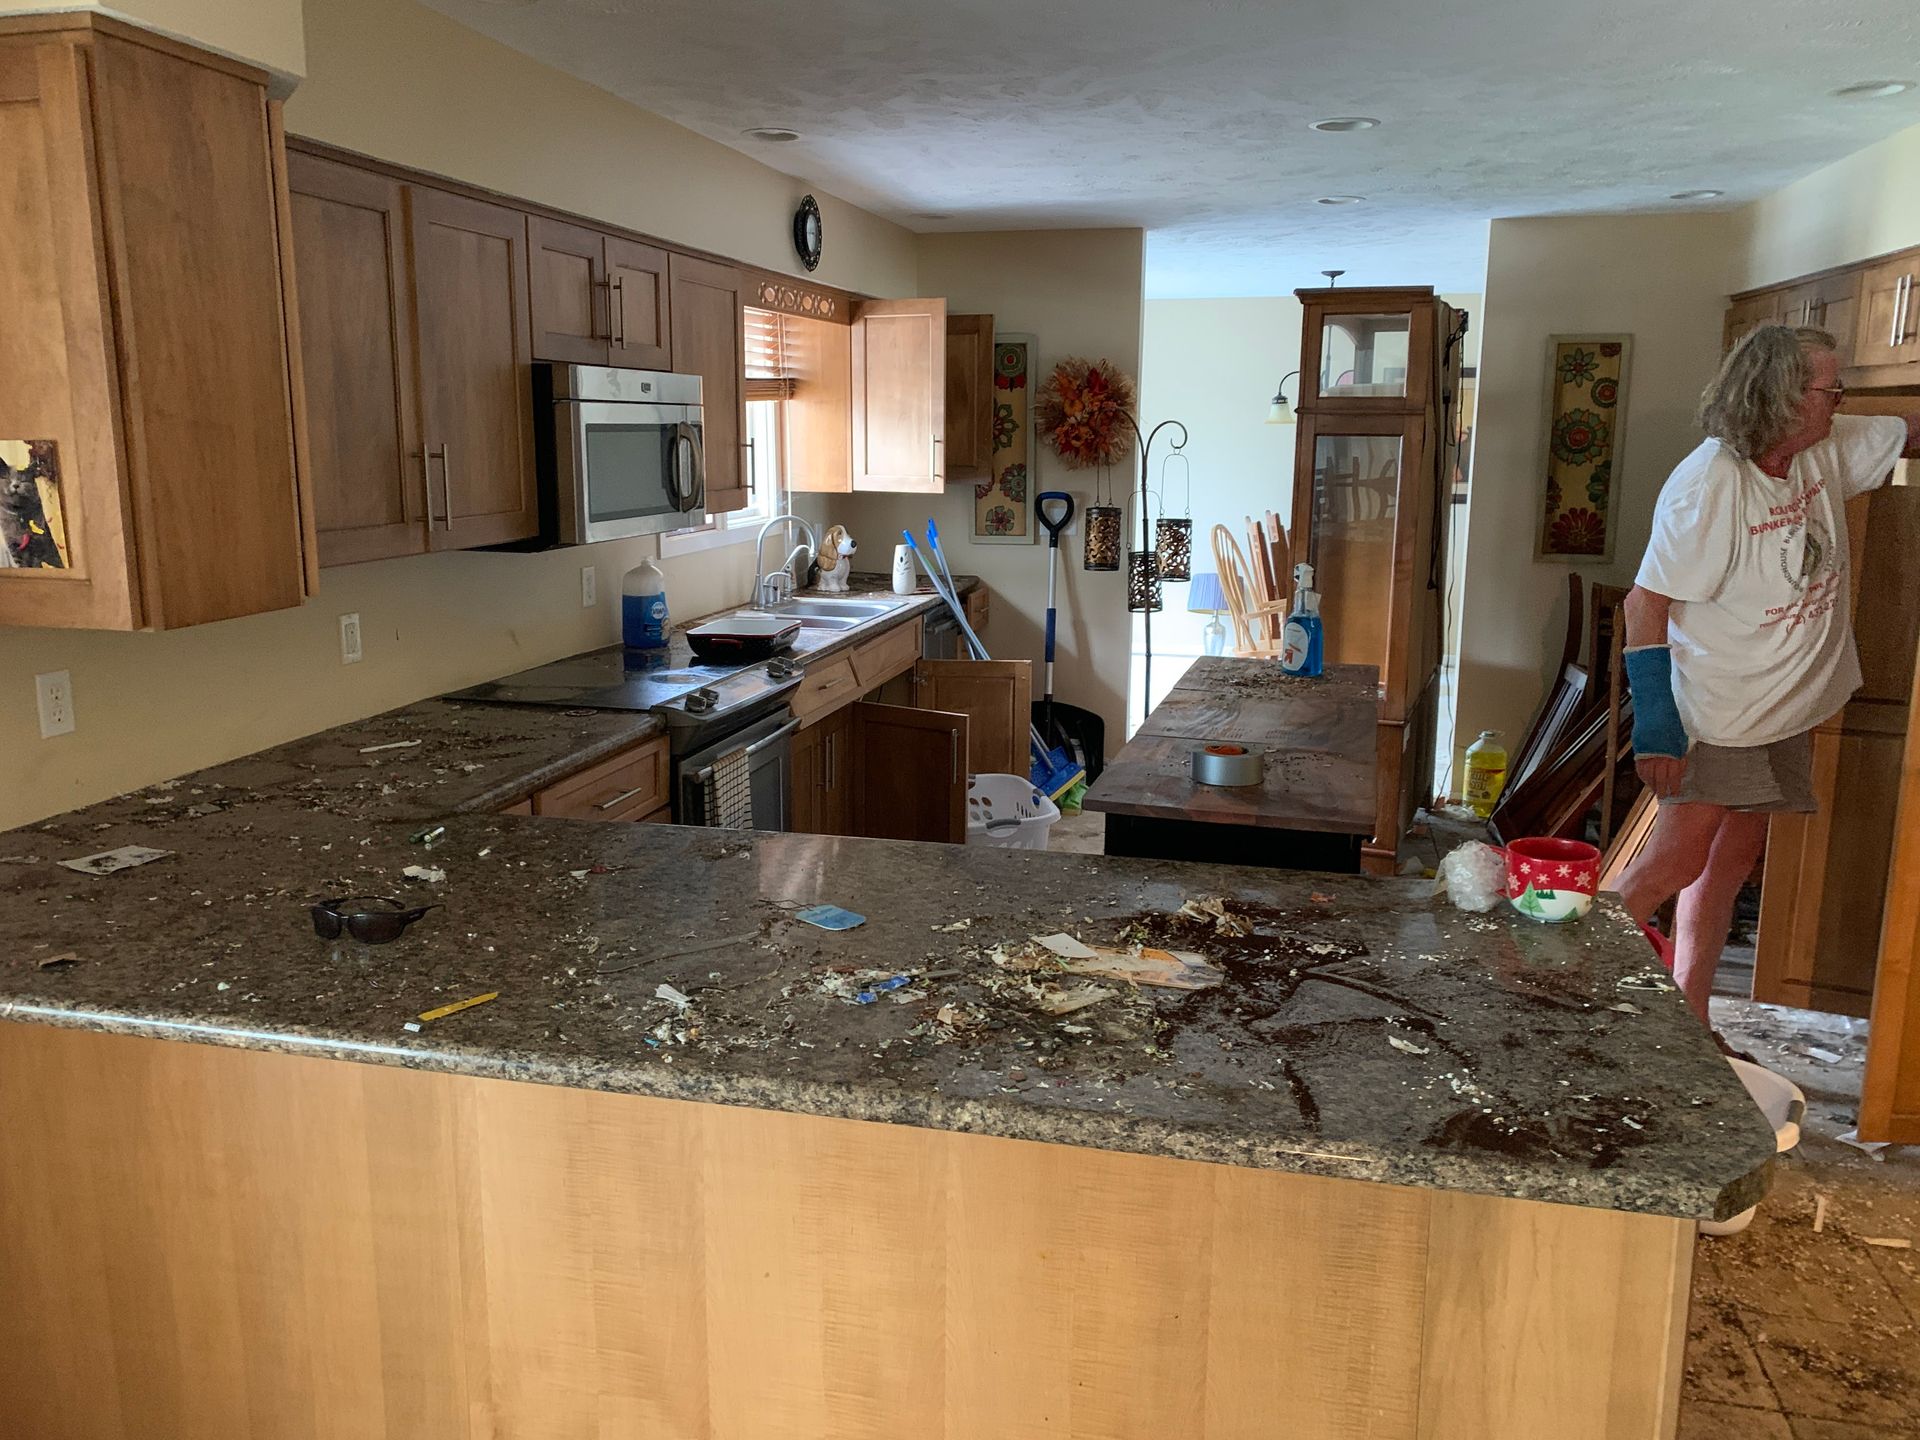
(1007, 811)
(1784, 1105)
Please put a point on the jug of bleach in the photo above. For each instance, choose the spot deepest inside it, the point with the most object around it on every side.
(643, 608)
(1301, 640)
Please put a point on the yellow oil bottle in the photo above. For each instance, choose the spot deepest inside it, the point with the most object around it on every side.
(1486, 772)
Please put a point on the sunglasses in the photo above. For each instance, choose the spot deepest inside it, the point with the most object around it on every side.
(1839, 392)
(370, 919)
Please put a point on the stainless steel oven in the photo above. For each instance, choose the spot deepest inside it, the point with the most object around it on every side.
(620, 452)
(755, 793)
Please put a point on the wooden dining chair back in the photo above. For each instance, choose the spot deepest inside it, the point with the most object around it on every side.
(1249, 613)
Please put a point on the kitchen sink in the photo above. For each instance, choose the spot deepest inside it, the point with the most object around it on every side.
(854, 610)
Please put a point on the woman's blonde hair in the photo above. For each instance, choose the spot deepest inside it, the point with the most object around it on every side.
(1754, 402)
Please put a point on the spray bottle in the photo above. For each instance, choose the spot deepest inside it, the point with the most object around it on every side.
(1301, 642)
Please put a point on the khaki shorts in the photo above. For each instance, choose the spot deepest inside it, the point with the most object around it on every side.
(1770, 779)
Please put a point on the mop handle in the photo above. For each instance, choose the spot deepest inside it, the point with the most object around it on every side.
(945, 593)
(953, 590)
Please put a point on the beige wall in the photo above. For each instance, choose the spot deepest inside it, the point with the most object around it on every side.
(1859, 207)
(1079, 293)
(1662, 279)
(266, 33)
(392, 78)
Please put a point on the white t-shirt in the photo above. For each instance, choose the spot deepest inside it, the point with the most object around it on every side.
(1761, 628)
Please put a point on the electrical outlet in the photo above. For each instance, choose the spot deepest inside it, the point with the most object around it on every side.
(589, 586)
(350, 638)
(55, 690)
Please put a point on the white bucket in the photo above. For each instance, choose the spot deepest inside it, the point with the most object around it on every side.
(1784, 1105)
(1006, 810)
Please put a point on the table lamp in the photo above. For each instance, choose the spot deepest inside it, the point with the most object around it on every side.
(1205, 596)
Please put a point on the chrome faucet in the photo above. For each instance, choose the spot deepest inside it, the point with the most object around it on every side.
(772, 587)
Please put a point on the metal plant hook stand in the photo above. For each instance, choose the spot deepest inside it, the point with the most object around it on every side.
(1146, 453)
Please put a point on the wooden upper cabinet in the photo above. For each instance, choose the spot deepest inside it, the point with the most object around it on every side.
(1889, 326)
(356, 340)
(475, 356)
(147, 412)
(899, 395)
(569, 291)
(639, 311)
(709, 340)
(597, 299)
(1747, 315)
(1828, 303)
(969, 431)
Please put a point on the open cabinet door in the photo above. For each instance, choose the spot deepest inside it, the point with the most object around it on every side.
(1890, 1092)
(899, 395)
(912, 775)
(996, 696)
(1827, 882)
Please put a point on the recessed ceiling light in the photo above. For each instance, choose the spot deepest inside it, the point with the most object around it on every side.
(1696, 194)
(1874, 89)
(1340, 124)
(1339, 199)
(772, 134)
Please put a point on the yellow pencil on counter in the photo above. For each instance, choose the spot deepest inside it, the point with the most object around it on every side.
(442, 1011)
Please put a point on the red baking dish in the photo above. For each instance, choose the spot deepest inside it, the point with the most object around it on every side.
(742, 639)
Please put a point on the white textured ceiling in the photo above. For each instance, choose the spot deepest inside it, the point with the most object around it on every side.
(1190, 119)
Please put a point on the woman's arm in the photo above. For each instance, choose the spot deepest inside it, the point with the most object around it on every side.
(1654, 711)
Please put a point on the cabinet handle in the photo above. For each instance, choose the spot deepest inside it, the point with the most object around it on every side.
(1906, 299)
(446, 488)
(617, 305)
(593, 325)
(830, 761)
(1899, 303)
(953, 737)
(753, 466)
(621, 798)
(426, 482)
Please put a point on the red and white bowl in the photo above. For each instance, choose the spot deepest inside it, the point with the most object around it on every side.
(1552, 880)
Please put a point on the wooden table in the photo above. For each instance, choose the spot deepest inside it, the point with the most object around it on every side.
(1317, 803)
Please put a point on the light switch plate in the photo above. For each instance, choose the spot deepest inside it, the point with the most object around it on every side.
(350, 638)
(55, 693)
(589, 587)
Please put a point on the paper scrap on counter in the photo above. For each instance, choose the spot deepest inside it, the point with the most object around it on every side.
(1407, 1045)
(108, 861)
(1167, 969)
(672, 996)
(1065, 946)
(392, 745)
(1065, 999)
(432, 874)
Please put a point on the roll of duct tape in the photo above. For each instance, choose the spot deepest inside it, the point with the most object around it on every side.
(1225, 764)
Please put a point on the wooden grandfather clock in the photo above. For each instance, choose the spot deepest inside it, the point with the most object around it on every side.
(1379, 380)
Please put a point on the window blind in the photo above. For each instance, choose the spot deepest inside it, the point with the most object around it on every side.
(770, 368)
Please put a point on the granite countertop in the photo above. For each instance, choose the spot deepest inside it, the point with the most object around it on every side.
(1361, 1029)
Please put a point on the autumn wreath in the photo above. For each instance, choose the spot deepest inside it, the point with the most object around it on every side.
(1084, 411)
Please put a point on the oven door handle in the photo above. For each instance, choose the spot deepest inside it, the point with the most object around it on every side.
(705, 773)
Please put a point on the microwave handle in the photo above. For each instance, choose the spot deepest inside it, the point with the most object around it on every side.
(690, 492)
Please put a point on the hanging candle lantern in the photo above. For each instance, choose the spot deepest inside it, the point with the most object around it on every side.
(1103, 537)
(1143, 581)
(1173, 543)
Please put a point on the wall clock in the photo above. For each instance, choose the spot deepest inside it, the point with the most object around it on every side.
(806, 232)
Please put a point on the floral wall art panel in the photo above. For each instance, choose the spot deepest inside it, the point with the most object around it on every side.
(1003, 502)
(1586, 418)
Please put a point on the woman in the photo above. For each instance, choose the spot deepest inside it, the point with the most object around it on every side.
(1739, 633)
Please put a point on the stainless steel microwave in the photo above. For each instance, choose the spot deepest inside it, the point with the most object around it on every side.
(619, 452)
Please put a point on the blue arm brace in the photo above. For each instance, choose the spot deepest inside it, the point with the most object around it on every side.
(1656, 719)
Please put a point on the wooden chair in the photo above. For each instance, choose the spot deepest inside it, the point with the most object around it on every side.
(1250, 614)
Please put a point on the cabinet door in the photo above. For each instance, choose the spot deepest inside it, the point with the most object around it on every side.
(996, 696)
(1828, 303)
(56, 359)
(641, 328)
(969, 430)
(709, 340)
(470, 299)
(899, 395)
(569, 292)
(803, 782)
(911, 774)
(835, 816)
(1745, 316)
(350, 249)
(1889, 328)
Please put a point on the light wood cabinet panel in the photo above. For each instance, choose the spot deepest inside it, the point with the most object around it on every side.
(880, 659)
(470, 300)
(349, 238)
(912, 774)
(827, 685)
(996, 696)
(899, 395)
(1748, 315)
(819, 413)
(1828, 303)
(1889, 329)
(146, 370)
(969, 429)
(709, 340)
(976, 604)
(629, 786)
(838, 773)
(568, 291)
(640, 319)
(804, 763)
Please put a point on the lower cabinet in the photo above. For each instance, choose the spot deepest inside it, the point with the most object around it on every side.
(632, 785)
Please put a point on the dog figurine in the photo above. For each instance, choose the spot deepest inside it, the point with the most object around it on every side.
(836, 559)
